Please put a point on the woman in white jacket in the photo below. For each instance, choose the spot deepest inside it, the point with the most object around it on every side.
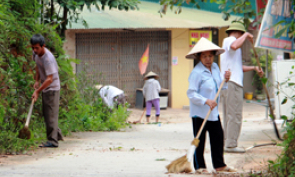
(151, 91)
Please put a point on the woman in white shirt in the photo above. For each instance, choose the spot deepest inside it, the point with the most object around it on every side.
(204, 82)
(151, 91)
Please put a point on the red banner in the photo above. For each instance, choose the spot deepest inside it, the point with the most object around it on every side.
(144, 61)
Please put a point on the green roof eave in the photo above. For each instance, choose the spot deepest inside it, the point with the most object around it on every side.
(148, 17)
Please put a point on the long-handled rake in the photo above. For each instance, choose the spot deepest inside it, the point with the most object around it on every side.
(183, 164)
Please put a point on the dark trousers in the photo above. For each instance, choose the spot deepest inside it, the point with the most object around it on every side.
(50, 103)
(216, 142)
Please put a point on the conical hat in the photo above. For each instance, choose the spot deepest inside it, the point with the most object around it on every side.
(98, 87)
(151, 73)
(204, 45)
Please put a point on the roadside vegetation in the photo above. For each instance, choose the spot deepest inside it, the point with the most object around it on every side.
(81, 108)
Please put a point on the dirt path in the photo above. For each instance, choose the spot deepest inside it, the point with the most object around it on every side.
(143, 150)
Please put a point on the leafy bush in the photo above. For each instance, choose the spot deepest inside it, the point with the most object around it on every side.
(94, 114)
(284, 165)
(18, 23)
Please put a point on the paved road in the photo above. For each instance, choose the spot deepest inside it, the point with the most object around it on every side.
(143, 150)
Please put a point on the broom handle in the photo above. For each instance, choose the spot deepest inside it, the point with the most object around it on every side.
(142, 114)
(29, 114)
(209, 112)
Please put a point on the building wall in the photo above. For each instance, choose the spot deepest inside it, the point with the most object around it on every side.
(221, 35)
(70, 45)
(180, 72)
(70, 42)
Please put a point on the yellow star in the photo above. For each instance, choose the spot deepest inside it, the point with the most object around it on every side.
(144, 59)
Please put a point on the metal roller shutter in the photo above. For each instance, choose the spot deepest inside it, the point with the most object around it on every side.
(112, 58)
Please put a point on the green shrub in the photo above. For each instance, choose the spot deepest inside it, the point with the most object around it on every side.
(81, 109)
(284, 165)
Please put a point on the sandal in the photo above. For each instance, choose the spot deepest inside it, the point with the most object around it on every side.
(227, 169)
(48, 145)
(202, 171)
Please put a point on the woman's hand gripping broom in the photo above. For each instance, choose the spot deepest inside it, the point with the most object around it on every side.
(183, 164)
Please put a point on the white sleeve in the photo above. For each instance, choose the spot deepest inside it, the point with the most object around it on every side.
(104, 97)
(144, 89)
(158, 86)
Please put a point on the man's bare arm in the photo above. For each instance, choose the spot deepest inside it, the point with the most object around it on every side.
(251, 68)
(240, 41)
(248, 68)
(45, 84)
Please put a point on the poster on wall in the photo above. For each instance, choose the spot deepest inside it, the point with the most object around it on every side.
(276, 11)
(196, 35)
(175, 60)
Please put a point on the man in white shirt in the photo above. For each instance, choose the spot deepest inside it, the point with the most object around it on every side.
(111, 96)
(231, 60)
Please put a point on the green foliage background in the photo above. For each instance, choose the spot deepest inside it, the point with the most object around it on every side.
(18, 22)
(262, 59)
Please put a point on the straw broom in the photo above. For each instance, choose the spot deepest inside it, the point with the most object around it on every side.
(183, 164)
(139, 121)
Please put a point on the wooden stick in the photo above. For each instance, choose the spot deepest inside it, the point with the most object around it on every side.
(29, 114)
(139, 121)
(264, 87)
(267, 95)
